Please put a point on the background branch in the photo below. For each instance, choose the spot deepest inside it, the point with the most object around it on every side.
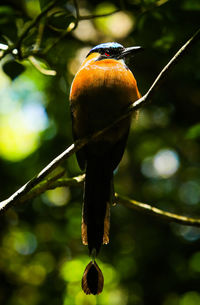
(42, 70)
(26, 30)
(74, 26)
(17, 196)
(88, 17)
(34, 22)
(147, 97)
(153, 211)
(56, 181)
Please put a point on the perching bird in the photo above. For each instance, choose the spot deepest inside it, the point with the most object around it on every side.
(101, 90)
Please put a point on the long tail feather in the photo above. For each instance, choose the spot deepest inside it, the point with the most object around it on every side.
(95, 221)
(92, 281)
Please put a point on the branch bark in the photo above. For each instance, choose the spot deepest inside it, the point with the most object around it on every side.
(145, 208)
(158, 213)
(24, 190)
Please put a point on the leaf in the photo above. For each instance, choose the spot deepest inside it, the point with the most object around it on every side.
(13, 69)
(60, 20)
(7, 22)
(193, 132)
(43, 3)
(6, 13)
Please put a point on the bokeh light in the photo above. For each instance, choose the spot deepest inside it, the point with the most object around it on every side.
(194, 262)
(22, 116)
(188, 233)
(77, 266)
(164, 164)
(190, 298)
(23, 242)
(58, 197)
(116, 26)
(33, 274)
(76, 61)
(86, 30)
(147, 168)
(189, 192)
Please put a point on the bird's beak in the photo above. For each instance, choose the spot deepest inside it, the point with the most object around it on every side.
(130, 51)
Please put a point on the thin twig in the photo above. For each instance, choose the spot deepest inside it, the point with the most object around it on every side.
(74, 25)
(88, 17)
(26, 30)
(153, 211)
(35, 21)
(36, 180)
(42, 70)
(40, 33)
(80, 143)
(166, 69)
(50, 184)
(76, 9)
(63, 34)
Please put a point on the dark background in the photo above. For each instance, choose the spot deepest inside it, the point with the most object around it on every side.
(147, 261)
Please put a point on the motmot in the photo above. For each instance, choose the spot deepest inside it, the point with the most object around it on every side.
(101, 91)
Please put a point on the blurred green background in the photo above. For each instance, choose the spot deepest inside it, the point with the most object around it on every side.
(148, 261)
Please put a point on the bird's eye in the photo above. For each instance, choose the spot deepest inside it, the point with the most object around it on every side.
(107, 52)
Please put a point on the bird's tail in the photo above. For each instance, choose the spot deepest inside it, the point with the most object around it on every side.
(97, 194)
(92, 281)
(95, 218)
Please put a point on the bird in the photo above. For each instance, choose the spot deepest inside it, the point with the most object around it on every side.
(100, 92)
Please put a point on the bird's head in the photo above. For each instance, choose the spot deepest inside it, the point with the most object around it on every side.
(113, 50)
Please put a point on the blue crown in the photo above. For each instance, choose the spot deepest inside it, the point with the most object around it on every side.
(113, 45)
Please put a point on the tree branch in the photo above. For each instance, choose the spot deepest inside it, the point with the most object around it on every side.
(42, 70)
(50, 184)
(74, 26)
(34, 22)
(88, 17)
(26, 30)
(153, 211)
(18, 195)
(147, 97)
(145, 208)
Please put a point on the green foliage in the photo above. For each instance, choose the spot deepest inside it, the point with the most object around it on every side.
(41, 255)
(60, 20)
(8, 27)
(193, 132)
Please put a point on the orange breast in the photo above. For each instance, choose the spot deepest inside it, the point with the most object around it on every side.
(99, 93)
(104, 73)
